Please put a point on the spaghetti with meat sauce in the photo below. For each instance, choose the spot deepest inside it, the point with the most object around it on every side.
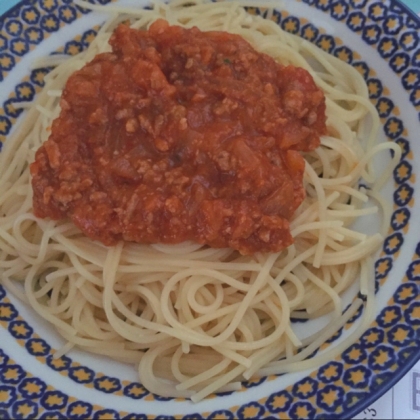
(177, 135)
(155, 138)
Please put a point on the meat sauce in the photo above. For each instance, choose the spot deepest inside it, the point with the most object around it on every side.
(177, 135)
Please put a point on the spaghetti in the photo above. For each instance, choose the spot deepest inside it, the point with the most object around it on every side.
(194, 319)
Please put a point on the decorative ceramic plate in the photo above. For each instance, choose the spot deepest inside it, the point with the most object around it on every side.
(381, 40)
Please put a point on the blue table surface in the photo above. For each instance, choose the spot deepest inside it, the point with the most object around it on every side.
(414, 4)
(7, 4)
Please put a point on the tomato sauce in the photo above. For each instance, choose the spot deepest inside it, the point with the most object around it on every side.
(177, 135)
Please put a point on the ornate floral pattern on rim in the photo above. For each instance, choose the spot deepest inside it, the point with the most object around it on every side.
(338, 388)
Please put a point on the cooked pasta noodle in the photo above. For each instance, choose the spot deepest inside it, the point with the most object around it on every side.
(196, 320)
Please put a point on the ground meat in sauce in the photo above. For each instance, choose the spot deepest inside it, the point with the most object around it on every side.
(177, 135)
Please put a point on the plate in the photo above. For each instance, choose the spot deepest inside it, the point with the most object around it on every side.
(381, 40)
